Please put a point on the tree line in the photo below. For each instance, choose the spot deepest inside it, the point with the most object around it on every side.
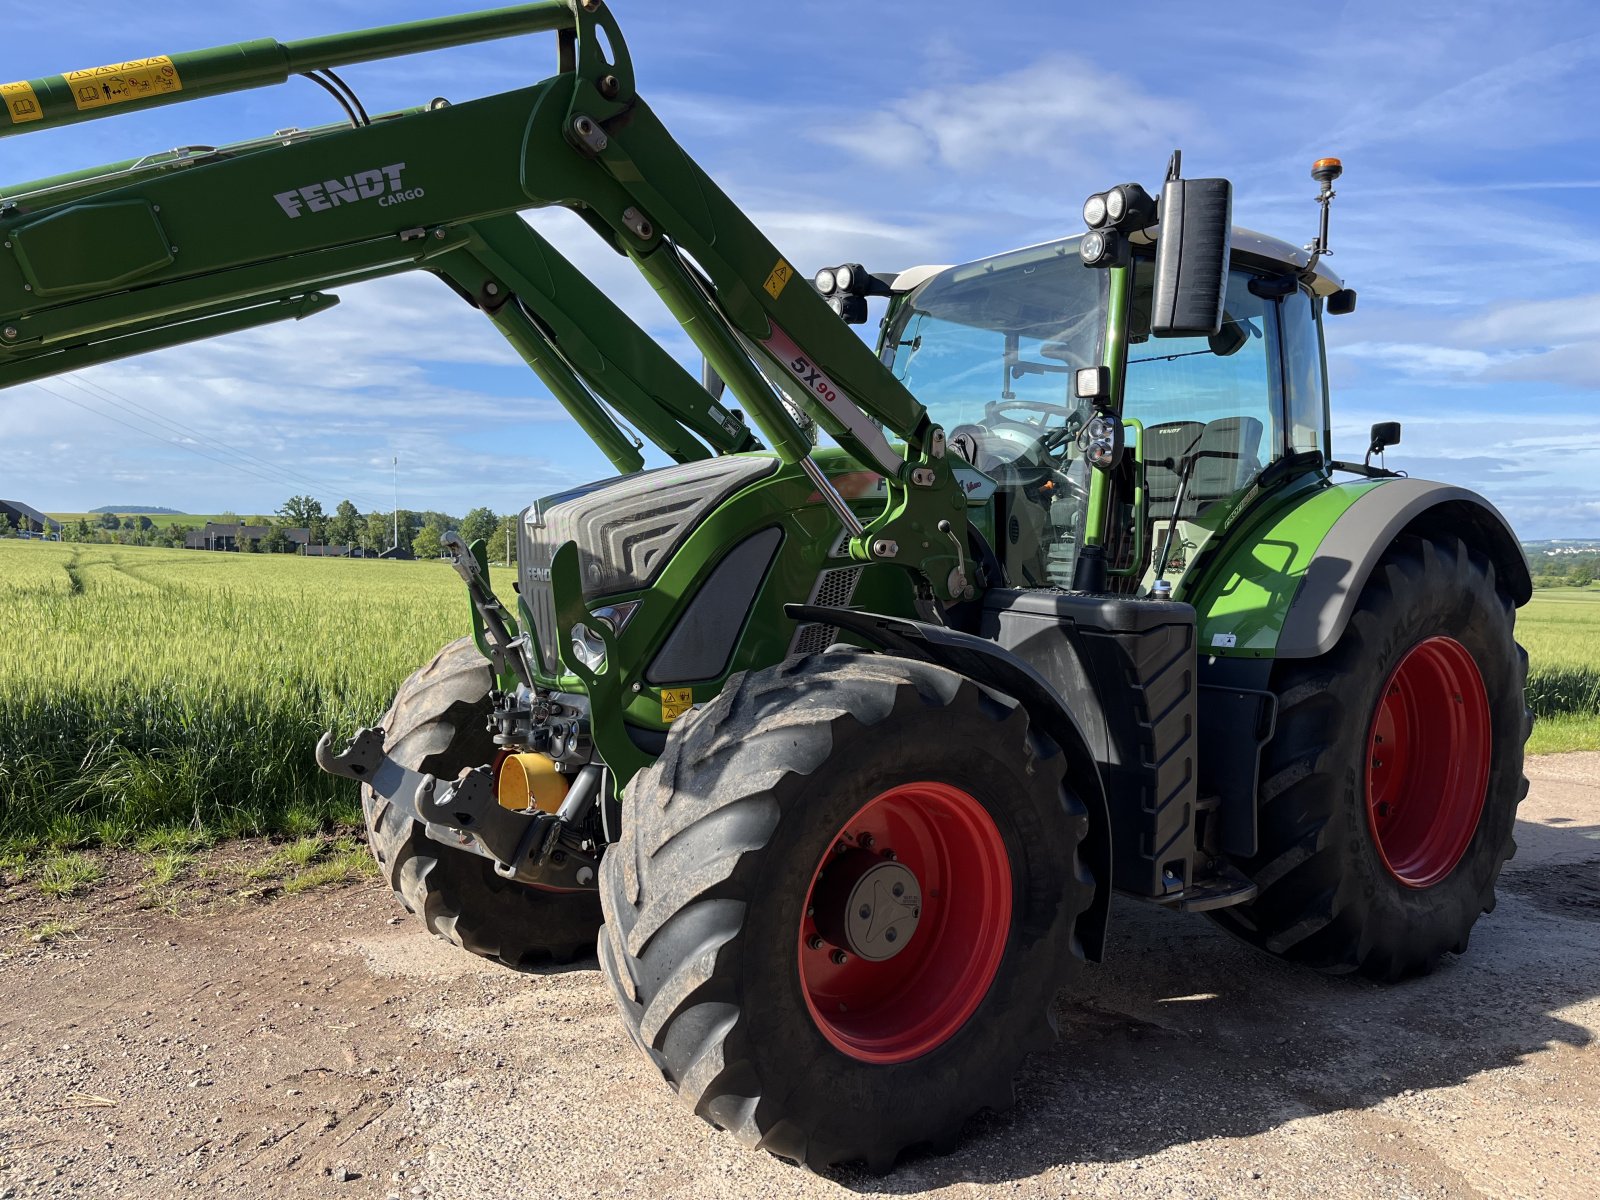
(420, 533)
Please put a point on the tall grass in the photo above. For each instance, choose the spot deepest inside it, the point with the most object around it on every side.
(144, 688)
(1561, 629)
(147, 689)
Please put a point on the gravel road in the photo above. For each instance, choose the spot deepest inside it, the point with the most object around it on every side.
(321, 1045)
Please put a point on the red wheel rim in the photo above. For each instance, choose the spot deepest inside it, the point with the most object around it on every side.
(899, 1009)
(1428, 762)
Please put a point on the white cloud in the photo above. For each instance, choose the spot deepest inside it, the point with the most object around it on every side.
(1056, 109)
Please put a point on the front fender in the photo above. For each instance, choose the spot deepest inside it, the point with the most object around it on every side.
(995, 667)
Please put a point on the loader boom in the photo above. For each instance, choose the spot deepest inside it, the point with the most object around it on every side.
(160, 251)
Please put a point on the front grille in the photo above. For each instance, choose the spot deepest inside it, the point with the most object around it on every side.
(626, 531)
(834, 589)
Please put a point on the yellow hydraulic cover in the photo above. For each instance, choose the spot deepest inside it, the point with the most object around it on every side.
(530, 781)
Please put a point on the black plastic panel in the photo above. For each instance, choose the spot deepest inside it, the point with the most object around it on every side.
(702, 641)
(1125, 666)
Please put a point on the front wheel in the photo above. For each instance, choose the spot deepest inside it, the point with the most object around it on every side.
(842, 904)
(438, 723)
(1391, 786)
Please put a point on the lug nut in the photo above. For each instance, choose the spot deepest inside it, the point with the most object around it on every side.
(814, 942)
(866, 912)
(839, 958)
(898, 890)
(865, 841)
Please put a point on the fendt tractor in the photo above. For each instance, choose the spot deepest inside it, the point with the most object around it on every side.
(836, 736)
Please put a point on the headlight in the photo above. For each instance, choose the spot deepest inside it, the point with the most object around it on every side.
(827, 281)
(845, 277)
(1098, 248)
(1116, 205)
(587, 647)
(1094, 210)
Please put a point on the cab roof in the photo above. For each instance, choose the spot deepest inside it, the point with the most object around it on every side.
(1253, 249)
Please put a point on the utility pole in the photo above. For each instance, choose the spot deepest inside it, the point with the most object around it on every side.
(396, 546)
(508, 547)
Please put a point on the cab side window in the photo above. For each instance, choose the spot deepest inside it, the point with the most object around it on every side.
(1305, 377)
(1214, 398)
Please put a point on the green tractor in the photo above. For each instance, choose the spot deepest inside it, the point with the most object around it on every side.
(836, 736)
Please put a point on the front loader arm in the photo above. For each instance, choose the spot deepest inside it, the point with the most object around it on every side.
(430, 189)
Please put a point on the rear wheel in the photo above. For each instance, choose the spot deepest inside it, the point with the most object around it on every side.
(1390, 788)
(843, 901)
(438, 724)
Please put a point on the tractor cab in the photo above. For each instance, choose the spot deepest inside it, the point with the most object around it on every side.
(993, 348)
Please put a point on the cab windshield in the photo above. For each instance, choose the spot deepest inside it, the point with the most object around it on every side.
(990, 348)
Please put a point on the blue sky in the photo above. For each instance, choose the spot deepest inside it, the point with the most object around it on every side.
(899, 133)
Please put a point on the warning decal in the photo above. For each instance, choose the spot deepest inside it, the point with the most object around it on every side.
(675, 702)
(21, 103)
(779, 279)
(141, 79)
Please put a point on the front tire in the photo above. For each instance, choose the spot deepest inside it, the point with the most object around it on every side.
(1390, 788)
(842, 904)
(438, 724)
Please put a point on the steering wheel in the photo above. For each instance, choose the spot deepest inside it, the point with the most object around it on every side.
(1042, 406)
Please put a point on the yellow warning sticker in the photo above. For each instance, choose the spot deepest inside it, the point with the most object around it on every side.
(675, 702)
(21, 102)
(779, 279)
(141, 79)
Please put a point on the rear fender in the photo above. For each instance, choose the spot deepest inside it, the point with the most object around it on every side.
(1286, 585)
(1345, 559)
(994, 667)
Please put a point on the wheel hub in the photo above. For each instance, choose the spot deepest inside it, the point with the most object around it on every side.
(869, 906)
(906, 922)
(1428, 755)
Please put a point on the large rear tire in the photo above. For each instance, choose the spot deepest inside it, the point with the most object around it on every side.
(437, 724)
(842, 904)
(1390, 788)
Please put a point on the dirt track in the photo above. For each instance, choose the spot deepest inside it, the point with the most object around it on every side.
(319, 1046)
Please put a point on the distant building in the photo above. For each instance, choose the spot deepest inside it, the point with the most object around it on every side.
(334, 552)
(26, 518)
(217, 536)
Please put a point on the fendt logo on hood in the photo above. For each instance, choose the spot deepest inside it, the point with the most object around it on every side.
(382, 184)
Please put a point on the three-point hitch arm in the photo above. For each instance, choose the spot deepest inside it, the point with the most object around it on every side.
(167, 249)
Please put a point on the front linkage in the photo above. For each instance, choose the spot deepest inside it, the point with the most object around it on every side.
(544, 849)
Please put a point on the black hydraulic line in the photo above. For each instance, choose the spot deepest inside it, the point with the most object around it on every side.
(322, 83)
(350, 92)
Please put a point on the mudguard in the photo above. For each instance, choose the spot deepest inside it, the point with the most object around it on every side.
(997, 668)
(1286, 585)
(1328, 592)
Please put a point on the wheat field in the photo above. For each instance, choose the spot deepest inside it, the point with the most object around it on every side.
(145, 689)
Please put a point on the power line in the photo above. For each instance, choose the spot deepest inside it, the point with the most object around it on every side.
(232, 466)
(286, 475)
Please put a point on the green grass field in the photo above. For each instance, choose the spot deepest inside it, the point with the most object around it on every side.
(162, 520)
(146, 690)
(143, 689)
(1561, 629)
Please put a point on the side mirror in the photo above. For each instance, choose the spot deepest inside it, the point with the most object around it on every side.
(1192, 251)
(1384, 435)
(1342, 302)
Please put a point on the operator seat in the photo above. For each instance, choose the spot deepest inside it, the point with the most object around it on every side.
(1164, 448)
(1212, 477)
(1217, 478)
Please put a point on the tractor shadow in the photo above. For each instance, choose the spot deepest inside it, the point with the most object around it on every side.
(1186, 1035)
